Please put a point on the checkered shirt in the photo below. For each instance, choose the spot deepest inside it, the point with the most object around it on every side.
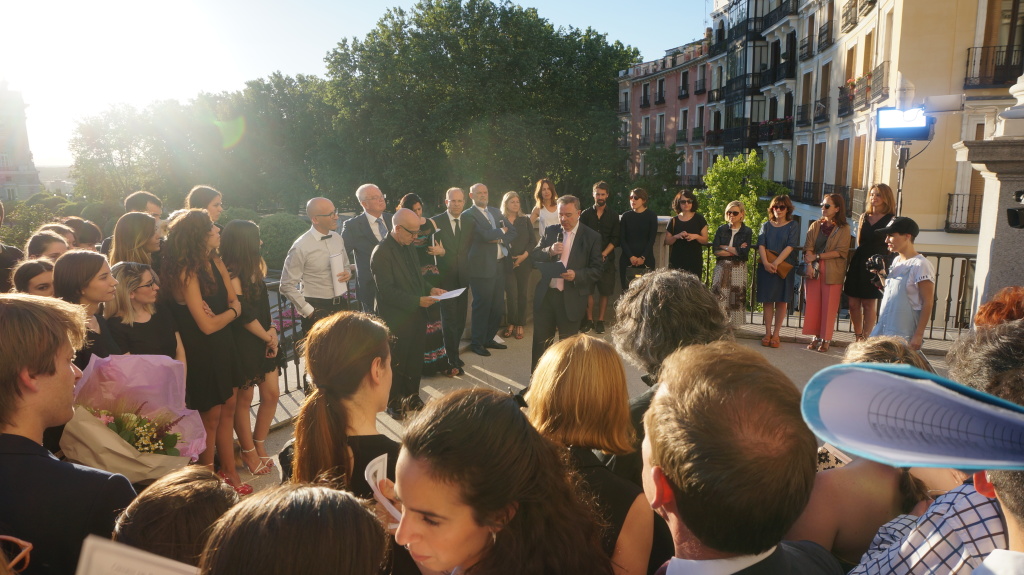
(954, 535)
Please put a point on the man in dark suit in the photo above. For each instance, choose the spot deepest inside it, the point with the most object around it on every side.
(51, 504)
(486, 274)
(455, 234)
(729, 464)
(362, 233)
(402, 298)
(561, 302)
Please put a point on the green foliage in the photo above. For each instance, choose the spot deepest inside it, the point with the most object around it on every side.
(238, 213)
(279, 232)
(737, 178)
(104, 215)
(70, 209)
(661, 178)
(37, 198)
(53, 203)
(22, 220)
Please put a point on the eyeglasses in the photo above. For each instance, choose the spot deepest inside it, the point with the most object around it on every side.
(333, 214)
(147, 285)
(826, 206)
(685, 201)
(634, 197)
(8, 545)
(783, 208)
(413, 232)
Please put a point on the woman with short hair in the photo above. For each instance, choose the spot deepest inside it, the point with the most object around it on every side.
(484, 492)
(686, 235)
(907, 299)
(731, 247)
(777, 244)
(578, 398)
(136, 236)
(638, 229)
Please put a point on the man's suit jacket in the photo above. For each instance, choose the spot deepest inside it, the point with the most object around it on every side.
(400, 285)
(54, 504)
(359, 238)
(483, 255)
(584, 259)
(454, 264)
(790, 558)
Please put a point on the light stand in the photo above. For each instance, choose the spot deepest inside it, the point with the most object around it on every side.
(901, 171)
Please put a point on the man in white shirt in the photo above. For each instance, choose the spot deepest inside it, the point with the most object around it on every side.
(729, 464)
(362, 233)
(307, 280)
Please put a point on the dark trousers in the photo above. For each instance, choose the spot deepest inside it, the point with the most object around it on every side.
(551, 317)
(453, 325)
(516, 280)
(407, 358)
(488, 305)
(321, 308)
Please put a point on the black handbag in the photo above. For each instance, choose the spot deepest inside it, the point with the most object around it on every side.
(633, 272)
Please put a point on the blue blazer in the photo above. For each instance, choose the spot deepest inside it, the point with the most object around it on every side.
(483, 254)
(359, 239)
(54, 504)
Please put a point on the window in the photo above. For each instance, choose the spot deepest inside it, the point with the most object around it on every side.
(698, 120)
(661, 89)
(3, 161)
(683, 119)
(698, 163)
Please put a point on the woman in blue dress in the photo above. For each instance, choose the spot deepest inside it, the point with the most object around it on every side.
(781, 236)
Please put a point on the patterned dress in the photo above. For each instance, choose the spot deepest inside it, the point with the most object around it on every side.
(435, 359)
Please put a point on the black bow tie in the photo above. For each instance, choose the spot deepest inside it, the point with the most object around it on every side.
(325, 237)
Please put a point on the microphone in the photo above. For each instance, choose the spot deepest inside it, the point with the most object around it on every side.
(559, 238)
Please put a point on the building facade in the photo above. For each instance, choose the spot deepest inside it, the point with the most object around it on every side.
(19, 178)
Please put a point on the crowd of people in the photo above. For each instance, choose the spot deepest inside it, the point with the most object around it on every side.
(712, 469)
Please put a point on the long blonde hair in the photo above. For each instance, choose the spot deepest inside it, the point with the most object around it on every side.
(131, 234)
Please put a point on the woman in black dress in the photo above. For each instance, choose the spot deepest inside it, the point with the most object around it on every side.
(517, 268)
(638, 229)
(137, 324)
(863, 295)
(348, 360)
(196, 290)
(578, 398)
(256, 338)
(687, 234)
(83, 277)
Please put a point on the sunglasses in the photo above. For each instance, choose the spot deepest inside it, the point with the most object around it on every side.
(732, 213)
(147, 285)
(827, 206)
(685, 201)
(634, 197)
(783, 208)
(18, 549)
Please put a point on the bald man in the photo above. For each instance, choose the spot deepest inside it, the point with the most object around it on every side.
(306, 279)
(403, 296)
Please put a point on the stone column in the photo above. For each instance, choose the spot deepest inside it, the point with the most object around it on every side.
(1000, 247)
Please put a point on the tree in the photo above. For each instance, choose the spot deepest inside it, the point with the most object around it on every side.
(661, 177)
(111, 153)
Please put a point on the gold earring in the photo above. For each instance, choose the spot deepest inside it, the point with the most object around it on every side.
(494, 537)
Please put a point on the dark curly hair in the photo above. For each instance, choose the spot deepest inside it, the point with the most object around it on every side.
(186, 255)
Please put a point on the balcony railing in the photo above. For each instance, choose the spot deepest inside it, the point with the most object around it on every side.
(659, 138)
(717, 48)
(858, 202)
(880, 82)
(849, 16)
(747, 30)
(699, 87)
(803, 115)
(843, 191)
(713, 138)
(787, 8)
(866, 6)
(691, 181)
(993, 66)
(740, 137)
(821, 110)
(807, 192)
(963, 213)
(745, 85)
(773, 131)
(716, 95)
(844, 105)
(645, 140)
(825, 38)
(681, 135)
(684, 92)
(659, 98)
(806, 49)
(624, 106)
(860, 93)
(784, 71)
(697, 135)
(645, 101)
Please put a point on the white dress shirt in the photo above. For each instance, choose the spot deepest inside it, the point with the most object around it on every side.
(373, 225)
(568, 237)
(307, 269)
(490, 218)
(725, 566)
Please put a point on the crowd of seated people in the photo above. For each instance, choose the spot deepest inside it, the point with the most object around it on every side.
(712, 470)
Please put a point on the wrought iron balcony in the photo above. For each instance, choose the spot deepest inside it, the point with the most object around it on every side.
(713, 138)
(645, 140)
(681, 135)
(849, 16)
(684, 92)
(786, 8)
(825, 38)
(880, 82)
(803, 115)
(860, 93)
(784, 71)
(745, 85)
(697, 135)
(645, 101)
(717, 48)
(821, 110)
(993, 66)
(700, 86)
(845, 103)
(659, 138)
(659, 99)
(963, 214)
(691, 181)
(716, 95)
(866, 6)
(806, 48)
(775, 130)
(624, 106)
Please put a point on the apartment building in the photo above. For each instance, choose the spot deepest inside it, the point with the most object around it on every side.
(18, 175)
(663, 103)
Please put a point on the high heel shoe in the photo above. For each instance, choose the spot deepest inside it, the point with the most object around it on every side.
(815, 342)
(766, 340)
(242, 489)
(776, 342)
(261, 469)
(268, 460)
(823, 348)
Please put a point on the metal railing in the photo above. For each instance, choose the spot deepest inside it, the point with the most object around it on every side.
(880, 82)
(286, 319)
(825, 38)
(849, 16)
(866, 6)
(684, 91)
(803, 115)
(821, 110)
(660, 98)
(784, 71)
(713, 138)
(700, 86)
(645, 140)
(993, 66)
(716, 95)
(624, 106)
(691, 181)
(860, 93)
(645, 101)
(744, 85)
(858, 202)
(697, 134)
(806, 50)
(844, 105)
(681, 135)
(771, 131)
(659, 137)
(963, 213)
(783, 10)
(717, 48)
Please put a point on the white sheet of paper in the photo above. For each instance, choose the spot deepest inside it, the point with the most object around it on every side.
(449, 294)
(338, 266)
(102, 556)
(375, 472)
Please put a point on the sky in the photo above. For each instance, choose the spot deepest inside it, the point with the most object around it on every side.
(72, 59)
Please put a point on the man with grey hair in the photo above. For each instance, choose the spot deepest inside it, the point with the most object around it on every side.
(306, 279)
(362, 233)
(402, 298)
(561, 302)
(491, 235)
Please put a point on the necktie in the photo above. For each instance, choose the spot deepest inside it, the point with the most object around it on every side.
(458, 230)
(381, 229)
(502, 249)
